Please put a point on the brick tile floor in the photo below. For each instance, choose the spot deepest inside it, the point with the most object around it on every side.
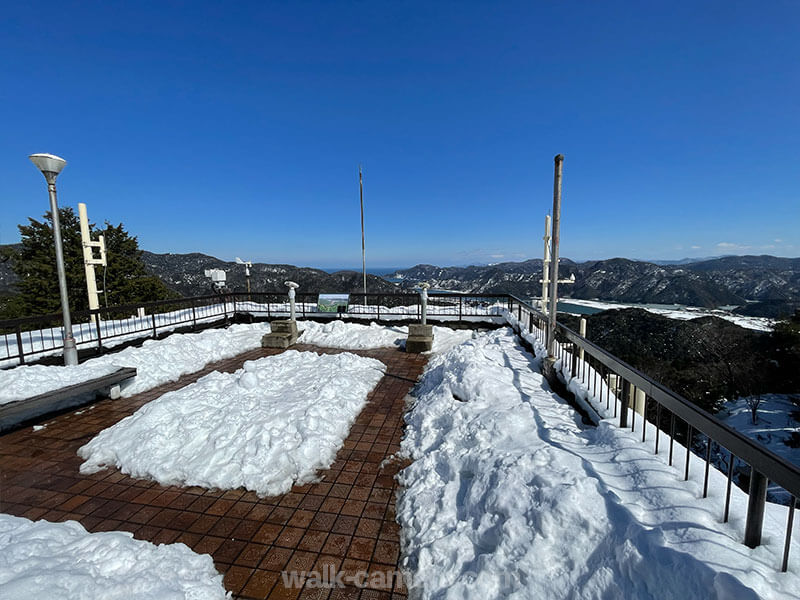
(345, 522)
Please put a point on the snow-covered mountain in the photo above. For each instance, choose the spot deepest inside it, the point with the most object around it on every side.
(732, 280)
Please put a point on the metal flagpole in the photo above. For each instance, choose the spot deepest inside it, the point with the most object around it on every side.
(555, 239)
(363, 247)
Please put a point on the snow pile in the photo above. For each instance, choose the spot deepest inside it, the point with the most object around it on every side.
(353, 336)
(156, 361)
(62, 560)
(509, 496)
(264, 427)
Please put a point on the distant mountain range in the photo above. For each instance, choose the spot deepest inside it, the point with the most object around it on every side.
(185, 273)
(772, 282)
(761, 285)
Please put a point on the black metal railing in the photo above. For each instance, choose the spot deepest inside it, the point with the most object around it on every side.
(30, 338)
(631, 397)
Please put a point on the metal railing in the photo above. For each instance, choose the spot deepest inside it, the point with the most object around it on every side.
(632, 395)
(31, 338)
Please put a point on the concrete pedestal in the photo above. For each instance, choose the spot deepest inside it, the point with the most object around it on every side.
(420, 338)
(284, 334)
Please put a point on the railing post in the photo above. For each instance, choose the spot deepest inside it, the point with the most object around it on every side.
(19, 345)
(194, 316)
(225, 308)
(573, 367)
(153, 321)
(756, 502)
(99, 335)
(623, 415)
(582, 331)
(460, 308)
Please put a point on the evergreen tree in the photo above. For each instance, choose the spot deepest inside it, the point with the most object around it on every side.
(126, 280)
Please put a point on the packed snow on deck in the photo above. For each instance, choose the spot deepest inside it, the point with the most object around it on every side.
(353, 336)
(39, 559)
(162, 361)
(265, 427)
(156, 362)
(510, 496)
(683, 313)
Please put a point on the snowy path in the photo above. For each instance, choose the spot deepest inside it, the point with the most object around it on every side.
(509, 496)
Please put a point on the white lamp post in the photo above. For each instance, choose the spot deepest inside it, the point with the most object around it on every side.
(50, 166)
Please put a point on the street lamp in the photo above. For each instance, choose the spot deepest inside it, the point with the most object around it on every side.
(50, 166)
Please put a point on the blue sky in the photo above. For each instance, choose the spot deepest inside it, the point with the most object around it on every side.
(237, 128)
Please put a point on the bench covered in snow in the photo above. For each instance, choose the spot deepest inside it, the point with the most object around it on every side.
(14, 413)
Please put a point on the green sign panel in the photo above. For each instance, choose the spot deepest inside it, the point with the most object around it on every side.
(333, 303)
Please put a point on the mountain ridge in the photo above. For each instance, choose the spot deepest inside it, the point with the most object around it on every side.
(762, 285)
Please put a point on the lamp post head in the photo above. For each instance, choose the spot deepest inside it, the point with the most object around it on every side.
(291, 285)
(49, 164)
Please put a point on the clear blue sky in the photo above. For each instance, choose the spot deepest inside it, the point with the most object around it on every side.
(236, 128)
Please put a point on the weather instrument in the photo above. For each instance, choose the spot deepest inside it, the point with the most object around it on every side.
(218, 279)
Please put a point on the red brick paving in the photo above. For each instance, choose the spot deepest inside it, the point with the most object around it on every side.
(346, 522)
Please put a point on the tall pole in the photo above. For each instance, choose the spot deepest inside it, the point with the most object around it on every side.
(70, 349)
(363, 246)
(545, 264)
(551, 321)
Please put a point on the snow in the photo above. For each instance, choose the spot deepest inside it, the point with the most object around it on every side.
(510, 496)
(682, 313)
(31, 380)
(354, 336)
(156, 361)
(265, 427)
(774, 425)
(62, 560)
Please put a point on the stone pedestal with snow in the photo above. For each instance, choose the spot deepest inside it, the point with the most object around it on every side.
(283, 334)
(284, 331)
(420, 336)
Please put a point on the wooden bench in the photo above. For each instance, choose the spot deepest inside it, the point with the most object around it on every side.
(20, 411)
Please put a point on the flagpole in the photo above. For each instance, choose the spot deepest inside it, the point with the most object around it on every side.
(363, 246)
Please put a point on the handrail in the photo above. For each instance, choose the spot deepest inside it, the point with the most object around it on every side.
(765, 465)
(775, 467)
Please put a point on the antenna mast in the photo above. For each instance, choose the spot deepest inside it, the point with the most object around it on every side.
(363, 247)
